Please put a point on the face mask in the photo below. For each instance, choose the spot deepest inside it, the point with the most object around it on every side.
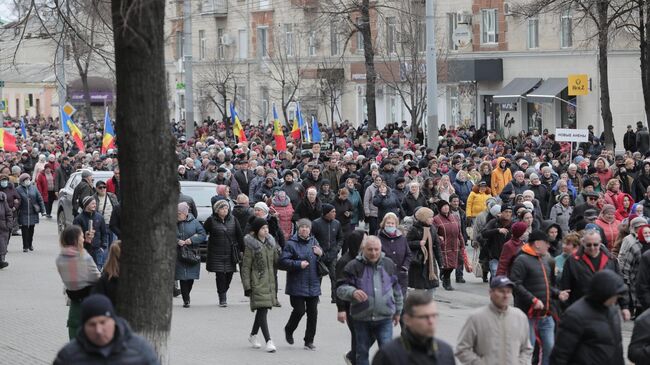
(392, 230)
(27, 182)
(4, 183)
(646, 237)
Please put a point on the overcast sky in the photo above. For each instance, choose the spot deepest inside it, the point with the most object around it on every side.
(5, 9)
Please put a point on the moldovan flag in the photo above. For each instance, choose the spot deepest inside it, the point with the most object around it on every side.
(237, 128)
(280, 141)
(76, 134)
(108, 141)
(7, 141)
(295, 130)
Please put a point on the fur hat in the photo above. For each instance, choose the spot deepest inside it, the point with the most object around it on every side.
(257, 224)
(424, 214)
(24, 176)
(303, 222)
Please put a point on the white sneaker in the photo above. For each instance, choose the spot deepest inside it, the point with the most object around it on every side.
(270, 346)
(253, 340)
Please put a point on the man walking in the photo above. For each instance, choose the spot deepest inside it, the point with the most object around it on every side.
(328, 233)
(482, 340)
(372, 288)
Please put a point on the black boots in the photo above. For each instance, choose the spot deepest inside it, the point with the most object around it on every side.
(460, 280)
(222, 300)
(446, 283)
(3, 263)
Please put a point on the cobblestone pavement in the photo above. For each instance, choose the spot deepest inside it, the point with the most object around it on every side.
(33, 316)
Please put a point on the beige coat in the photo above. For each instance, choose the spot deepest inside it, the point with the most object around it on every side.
(491, 337)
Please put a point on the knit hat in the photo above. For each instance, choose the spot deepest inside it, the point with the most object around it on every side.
(518, 229)
(609, 209)
(441, 203)
(87, 200)
(183, 208)
(220, 204)
(262, 206)
(537, 235)
(495, 210)
(424, 214)
(505, 207)
(562, 196)
(303, 222)
(24, 176)
(529, 206)
(637, 222)
(327, 208)
(287, 172)
(257, 224)
(96, 305)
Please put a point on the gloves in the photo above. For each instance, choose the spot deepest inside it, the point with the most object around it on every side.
(247, 293)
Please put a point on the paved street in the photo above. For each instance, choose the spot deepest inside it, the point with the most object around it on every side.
(33, 316)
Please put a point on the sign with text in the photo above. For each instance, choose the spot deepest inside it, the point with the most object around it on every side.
(578, 84)
(571, 135)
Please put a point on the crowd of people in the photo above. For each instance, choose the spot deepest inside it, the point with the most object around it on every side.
(563, 229)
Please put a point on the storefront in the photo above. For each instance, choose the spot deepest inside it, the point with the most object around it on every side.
(515, 112)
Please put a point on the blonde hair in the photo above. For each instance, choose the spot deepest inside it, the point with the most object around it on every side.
(388, 216)
(112, 266)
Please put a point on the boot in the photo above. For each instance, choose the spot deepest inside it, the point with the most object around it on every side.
(3, 263)
(460, 280)
(485, 274)
(446, 283)
(223, 300)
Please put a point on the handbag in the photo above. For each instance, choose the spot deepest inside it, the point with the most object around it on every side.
(188, 255)
(235, 255)
(322, 269)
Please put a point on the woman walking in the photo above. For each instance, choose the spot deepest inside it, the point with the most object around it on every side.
(109, 281)
(258, 278)
(224, 246)
(299, 258)
(189, 232)
(31, 204)
(395, 246)
(452, 243)
(425, 248)
(78, 272)
(45, 185)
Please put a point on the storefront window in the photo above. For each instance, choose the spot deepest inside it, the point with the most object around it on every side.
(535, 116)
(569, 110)
(454, 107)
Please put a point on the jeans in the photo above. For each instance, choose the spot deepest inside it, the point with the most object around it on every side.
(352, 354)
(545, 328)
(373, 225)
(331, 266)
(186, 288)
(51, 197)
(302, 305)
(493, 268)
(28, 236)
(367, 332)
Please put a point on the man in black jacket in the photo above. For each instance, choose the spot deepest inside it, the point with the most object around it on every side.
(590, 330)
(629, 139)
(105, 338)
(243, 176)
(417, 343)
(579, 269)
(638, 351)
(532, 274)
(327, 231)
(82, 190)
(62, 173)
(579, 211)
(495, 234)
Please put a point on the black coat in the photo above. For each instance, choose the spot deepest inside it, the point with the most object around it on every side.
(329, 236)
(241, 178)
(418, 270)
(639, 350)
(493, 239)
(243, 214)
(126, 348)
(388, 203)
(590, 333)
(629, 141)
(410, 203)
(274, 229)
(407, 350)
(223, 235)
(643, 281)
(307, 210)
(342, 206)
(543, 196)
(82, 190)
(533, 278)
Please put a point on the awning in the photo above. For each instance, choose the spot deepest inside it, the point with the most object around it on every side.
(515, 90)
(548, 91)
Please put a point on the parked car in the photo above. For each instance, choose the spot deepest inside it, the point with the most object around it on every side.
(201, 193)
(64, 215)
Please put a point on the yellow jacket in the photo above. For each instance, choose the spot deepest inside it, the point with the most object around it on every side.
(500, 178)
(477, 202)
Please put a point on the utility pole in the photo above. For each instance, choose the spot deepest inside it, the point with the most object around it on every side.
(432, 78)
(187, 63)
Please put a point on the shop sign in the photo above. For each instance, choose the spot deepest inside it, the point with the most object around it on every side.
(509, 107)
(571, 135)
(578, 84)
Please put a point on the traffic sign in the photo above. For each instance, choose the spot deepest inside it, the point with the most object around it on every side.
(68, 109)
(578, 84)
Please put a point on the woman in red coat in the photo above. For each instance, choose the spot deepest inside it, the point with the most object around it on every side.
(451, 241)
(45, 186)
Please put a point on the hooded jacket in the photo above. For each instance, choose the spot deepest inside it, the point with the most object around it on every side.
(621, 212)
(258, 271)
(500, 178)
(590, 333)
(533, 278)
(477, 202)
(300, 282)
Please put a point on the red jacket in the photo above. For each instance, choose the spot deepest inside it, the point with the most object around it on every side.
(621, 212)
(110, 186)
(41, 185)
(508, 253)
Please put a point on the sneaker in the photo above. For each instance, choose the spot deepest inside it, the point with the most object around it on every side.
(254, 342)
(223, 304)
(288, 337)
(270, 346)
(25, 250)
(3, 264)
(31, 248)
(186, 304)
(310, 346)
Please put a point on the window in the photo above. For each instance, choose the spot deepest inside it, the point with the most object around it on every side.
(391, 35)
(360, 45)
(566, 29)
(242, 103)
(243, 44)
(262, 42)
(489, 31)
(452, 25)
(179, 45)
(220, 45)
(421, 36)
(311, 43)
(334, 39)
(533, 32)
(264, 4)
(264, 105)
(288, 39)
(202, 44)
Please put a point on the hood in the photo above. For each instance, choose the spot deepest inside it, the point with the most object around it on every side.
(475, 189)
(619, 202)
(499, 162)
(528, 249)
(604, 285)
(255, 244)
(639, 234)
(557, 226)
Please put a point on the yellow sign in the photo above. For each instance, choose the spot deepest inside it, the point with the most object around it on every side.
(68, 109)
(578, 85)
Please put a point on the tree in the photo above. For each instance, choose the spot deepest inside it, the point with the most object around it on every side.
(331, 77)
(145, 150)
(603, 16)
(217, 80)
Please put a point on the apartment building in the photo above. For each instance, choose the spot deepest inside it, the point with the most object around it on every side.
(495, 68)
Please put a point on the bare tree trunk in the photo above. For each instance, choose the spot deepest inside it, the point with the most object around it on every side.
(369, 56)
(86, 89)
(644, 45)
(224, 112)
(603, 43)
(147, 159)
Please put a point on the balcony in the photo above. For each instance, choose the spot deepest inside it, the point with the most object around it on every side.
(216, 8)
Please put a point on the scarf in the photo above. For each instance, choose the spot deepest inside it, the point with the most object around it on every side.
(427, 250)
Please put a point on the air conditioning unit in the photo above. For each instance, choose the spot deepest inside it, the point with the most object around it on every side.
(464, 17)
(226, 40)
(506, 9)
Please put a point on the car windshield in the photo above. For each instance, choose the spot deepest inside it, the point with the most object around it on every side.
(200, 194)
